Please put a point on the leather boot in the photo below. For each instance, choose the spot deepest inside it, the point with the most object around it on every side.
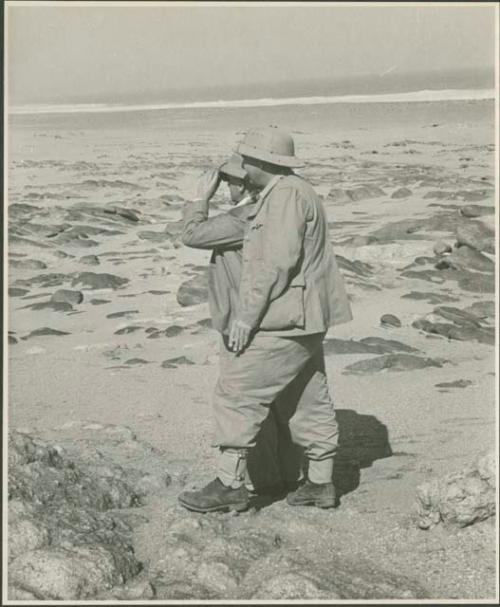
(313, 494)
(215, 497)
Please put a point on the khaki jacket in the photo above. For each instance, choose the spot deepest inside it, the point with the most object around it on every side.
(290, 281)
(223, 234)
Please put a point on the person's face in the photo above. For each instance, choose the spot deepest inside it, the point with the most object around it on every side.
(237, 189)
(253, 170)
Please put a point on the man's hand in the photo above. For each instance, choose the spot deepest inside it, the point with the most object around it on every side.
(239, 336)
(208, 184)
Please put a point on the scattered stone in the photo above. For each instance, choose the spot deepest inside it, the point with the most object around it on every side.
(12, 340)
(476, 210)
(153, 236)
(476, 235)
(392, 362)
(465, 258)
(46, 331)
(67, 296)
(43, 280)
(359, 241)
(121, 314)
(457, 316)
(441, 248)
(389, 320)
(205, 322)
(157, 292)
(127, 330)
(484, 335)
(459, 383)
(193, 291)
(357, 267)
(459, 499)
(125, 213)
(401, 193)
(172, 363)
(482, 309)
(28, 264)
(136, 361)
(365, 192)
(17, 292)
(57, 306)
(99, 302)
(173, 331)
(99, 281)
(90, 260)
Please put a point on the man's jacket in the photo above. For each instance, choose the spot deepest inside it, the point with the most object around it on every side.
(223, 234)
(290, 282)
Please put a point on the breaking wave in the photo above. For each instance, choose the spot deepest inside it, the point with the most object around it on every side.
(408, 97)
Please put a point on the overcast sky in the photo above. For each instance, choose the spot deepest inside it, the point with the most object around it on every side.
(60, 51)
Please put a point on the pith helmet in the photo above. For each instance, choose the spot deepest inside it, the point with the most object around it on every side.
(233, 168)
(270, 144)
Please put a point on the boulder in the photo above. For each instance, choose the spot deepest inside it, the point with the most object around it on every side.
(90, 260)
(440, 248)
(193, 291)
(401, 193)
(461, 498)
(476, 235)
(390, 320)
(67, 296)
(99, 281)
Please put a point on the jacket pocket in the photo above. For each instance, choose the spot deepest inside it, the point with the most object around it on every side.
(286, 311)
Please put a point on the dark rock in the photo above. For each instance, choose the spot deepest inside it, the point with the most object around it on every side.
(153, 236)
(357, 267)
(28, 264)
(367, 345)
(127, 330)
(433, 298)
(452, 331)
(193, 291)
(172, 363)
(57, 306)
(466, 258)
(173, 331)
(99, 302)
(476, 282)
(67, 296)
(12, 340)
(90, 260)
(46, 331)
(157, 292)
(476, 235)
(459, 317)
(16, 292)
(99, 281)
(122, 313)
(482, 309)
(125, 213)
(476, 210)
(205, 322)
(392, 362)
(401, 193)
(136, 361)
(389, 320)
(43, 280)
(359, 241)
(459, 383)
(459, 499)
(365, 192)
(339, 196)
(440, 248)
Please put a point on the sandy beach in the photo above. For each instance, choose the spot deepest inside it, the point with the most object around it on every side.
(95, 206)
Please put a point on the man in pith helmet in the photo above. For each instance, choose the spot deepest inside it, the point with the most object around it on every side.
(223, 235)
(290, 293)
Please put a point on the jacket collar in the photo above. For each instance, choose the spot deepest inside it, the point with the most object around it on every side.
(264, 193)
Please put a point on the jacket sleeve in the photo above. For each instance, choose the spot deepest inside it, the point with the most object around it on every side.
(222, 231)
(283, 221)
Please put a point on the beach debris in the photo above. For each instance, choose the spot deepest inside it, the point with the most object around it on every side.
(461, 498)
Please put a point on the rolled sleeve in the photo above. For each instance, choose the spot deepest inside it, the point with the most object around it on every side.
(225, 230)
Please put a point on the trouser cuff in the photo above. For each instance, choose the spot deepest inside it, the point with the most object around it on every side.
(232, 467)
(320, 471)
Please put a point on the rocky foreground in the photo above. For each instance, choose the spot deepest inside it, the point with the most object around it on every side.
(78, 510)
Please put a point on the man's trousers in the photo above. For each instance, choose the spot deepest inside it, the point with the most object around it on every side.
(285, 375)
